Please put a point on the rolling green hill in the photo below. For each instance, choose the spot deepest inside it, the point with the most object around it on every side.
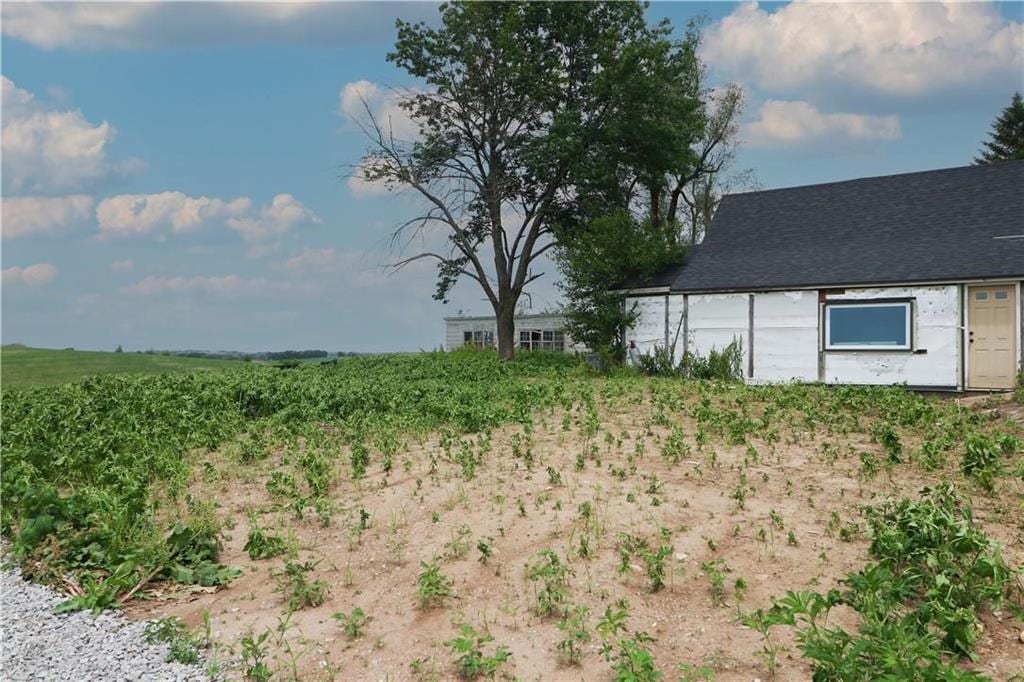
(23, 366)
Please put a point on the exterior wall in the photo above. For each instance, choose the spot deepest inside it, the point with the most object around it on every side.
(935, 358)
(716, 320)
(677, 324)
(649, 330)
(785, 336)
(456, 326)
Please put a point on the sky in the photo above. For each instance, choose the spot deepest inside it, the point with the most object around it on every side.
(178, 176)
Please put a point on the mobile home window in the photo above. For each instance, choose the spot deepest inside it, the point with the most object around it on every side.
(478, 338)
(868, 326)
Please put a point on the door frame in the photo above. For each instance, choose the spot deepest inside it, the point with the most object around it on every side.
(965, 343)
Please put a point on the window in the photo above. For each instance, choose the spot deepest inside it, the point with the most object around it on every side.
(868, 326)
(478, 338)
(1002, 295)
(536, 339)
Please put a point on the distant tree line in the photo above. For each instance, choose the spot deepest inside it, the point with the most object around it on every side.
(260, 355)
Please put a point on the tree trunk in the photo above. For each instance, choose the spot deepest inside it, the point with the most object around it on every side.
(505, 314)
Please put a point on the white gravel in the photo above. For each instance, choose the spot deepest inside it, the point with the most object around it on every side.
(36, 644)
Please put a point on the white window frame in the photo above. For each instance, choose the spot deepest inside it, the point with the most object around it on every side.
(907, 305)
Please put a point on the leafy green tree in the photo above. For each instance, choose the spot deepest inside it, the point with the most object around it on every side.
(521, 105)
(614, 251)
(1007, 135)
(648, 190)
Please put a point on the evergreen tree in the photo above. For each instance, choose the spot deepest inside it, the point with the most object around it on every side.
(1007, 143)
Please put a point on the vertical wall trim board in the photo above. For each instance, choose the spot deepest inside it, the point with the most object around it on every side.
(666, 322)
(961, 344)
(821, 336)
(686, 323)
(750, 338)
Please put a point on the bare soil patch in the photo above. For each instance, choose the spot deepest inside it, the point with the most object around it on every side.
(773, 516)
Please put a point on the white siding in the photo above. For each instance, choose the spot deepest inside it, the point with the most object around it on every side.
(785, 336)
(936, 330)
(716, 320)
(649, 329)
(676, 324)
(455, 327)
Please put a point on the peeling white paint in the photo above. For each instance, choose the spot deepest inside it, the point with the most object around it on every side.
(649, 330)
(785, 336)
(935, 330)
(716, 320)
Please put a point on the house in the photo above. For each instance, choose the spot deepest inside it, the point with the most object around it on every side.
(905, 279)
(545, 331)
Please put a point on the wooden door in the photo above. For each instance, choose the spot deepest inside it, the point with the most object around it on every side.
(992, 336)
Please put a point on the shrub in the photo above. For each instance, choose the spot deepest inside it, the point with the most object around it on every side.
(720, 365)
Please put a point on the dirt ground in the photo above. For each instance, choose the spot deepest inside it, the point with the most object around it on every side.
(773, 513)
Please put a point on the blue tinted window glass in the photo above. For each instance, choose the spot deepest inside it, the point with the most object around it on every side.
(877, 325)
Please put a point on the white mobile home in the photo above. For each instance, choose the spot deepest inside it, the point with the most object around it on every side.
(906, 279)
(544, 331)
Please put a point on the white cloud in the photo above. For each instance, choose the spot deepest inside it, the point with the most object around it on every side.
(142, 213)
(360, 187)
(357, 268)
(44, 215)
(782, 123)
(179, 213)
(357, 102)
(311, 259)
(227, 286)
(31, 275)
(122, 265)
(282, 214)
(91, 25)
(262, 250)
(383, 103)
(48, 151)
(901, 48)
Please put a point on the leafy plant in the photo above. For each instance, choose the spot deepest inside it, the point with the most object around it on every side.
(575, 634)
(632, 661)
(983, 454)
(887, 436)
(470, 660)
(432, 587)
(262, 545)
(486, 548)
(553, 578)
(715, 571)
(185, 647)
(918, 600)
(294, 582)
(255, 654)
(352, 623)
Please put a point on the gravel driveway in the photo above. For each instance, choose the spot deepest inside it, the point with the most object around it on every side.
(35, 644)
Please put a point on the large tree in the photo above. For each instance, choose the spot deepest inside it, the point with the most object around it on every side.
(516, 98)
(641, 207)
(1007, 135)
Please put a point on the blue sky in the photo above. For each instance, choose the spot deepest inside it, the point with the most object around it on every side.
(174, 176)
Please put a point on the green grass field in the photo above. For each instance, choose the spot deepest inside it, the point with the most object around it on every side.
(21, 366)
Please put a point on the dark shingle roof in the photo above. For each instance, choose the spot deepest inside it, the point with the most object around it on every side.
(929, 226)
